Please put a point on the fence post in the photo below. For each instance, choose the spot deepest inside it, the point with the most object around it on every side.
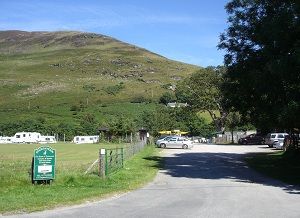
(102, 163)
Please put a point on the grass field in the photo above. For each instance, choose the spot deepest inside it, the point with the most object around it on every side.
(71, 186)
(279, 165)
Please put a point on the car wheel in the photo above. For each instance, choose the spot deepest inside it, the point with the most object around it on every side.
(163, 145)
(244, 143)
(185, 146)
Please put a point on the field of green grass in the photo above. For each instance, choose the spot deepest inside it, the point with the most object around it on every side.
(279, 165)
(71, 186)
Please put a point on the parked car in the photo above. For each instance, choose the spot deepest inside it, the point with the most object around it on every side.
(275, 139)
(162, 138)
(278, 144)
(252, 139)
(176, 142)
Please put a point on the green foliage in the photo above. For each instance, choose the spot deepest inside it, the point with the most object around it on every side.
(263, 50)
(115, 89)
(166, 86)
(140, 99)
(164, 118)
(88, 125)
(233, 121)
(166, 98)
(9, 129)
(66, 129)
(202, 92)
(89, 87)
(121, 126)
(197, 126)
(75, 108)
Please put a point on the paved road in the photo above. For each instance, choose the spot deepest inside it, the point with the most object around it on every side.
(207, 181)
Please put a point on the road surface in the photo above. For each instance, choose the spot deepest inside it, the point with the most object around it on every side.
(206, 181)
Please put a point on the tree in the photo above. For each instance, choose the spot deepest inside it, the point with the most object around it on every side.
(202, 92)
(263, 61)
(158, 120)
(165, 118)
(88, 124)
(121, 126)
(233, 121)
(66, 130)
(166, 98)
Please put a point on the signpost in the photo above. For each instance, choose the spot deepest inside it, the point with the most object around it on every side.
(43, 165)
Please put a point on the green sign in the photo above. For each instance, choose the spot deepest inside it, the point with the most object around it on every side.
(44, 163)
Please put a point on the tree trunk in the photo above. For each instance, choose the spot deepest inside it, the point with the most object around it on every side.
(219, 122)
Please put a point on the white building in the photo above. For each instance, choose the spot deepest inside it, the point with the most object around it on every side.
(86, 139)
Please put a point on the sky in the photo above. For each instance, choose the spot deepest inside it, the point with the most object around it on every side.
(182, 30)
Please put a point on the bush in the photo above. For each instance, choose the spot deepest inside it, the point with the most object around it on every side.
(114, 90)
(166, 98)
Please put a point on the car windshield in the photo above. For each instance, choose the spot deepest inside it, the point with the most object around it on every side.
(280, 136)
(164, 138)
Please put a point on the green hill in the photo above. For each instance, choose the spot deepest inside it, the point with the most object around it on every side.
(55, 75)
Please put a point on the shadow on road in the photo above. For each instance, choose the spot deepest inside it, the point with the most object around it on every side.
(217, 166)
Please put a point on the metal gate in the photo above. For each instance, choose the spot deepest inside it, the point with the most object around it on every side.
(114, 160)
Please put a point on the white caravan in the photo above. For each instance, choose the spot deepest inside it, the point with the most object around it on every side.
(86, 139)
(26, 137)
(5, 140)
(32, 137)
(47, 140)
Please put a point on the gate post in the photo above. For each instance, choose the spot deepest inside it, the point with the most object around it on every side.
(102, 163)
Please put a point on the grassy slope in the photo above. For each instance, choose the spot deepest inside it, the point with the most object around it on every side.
(52, 71)
(71, 186)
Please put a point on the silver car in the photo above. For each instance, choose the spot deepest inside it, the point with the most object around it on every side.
(163, 138)
(275, 139)
(176, 142)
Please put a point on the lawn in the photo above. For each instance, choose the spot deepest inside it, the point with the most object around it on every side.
(279, 165)
(71, 186)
